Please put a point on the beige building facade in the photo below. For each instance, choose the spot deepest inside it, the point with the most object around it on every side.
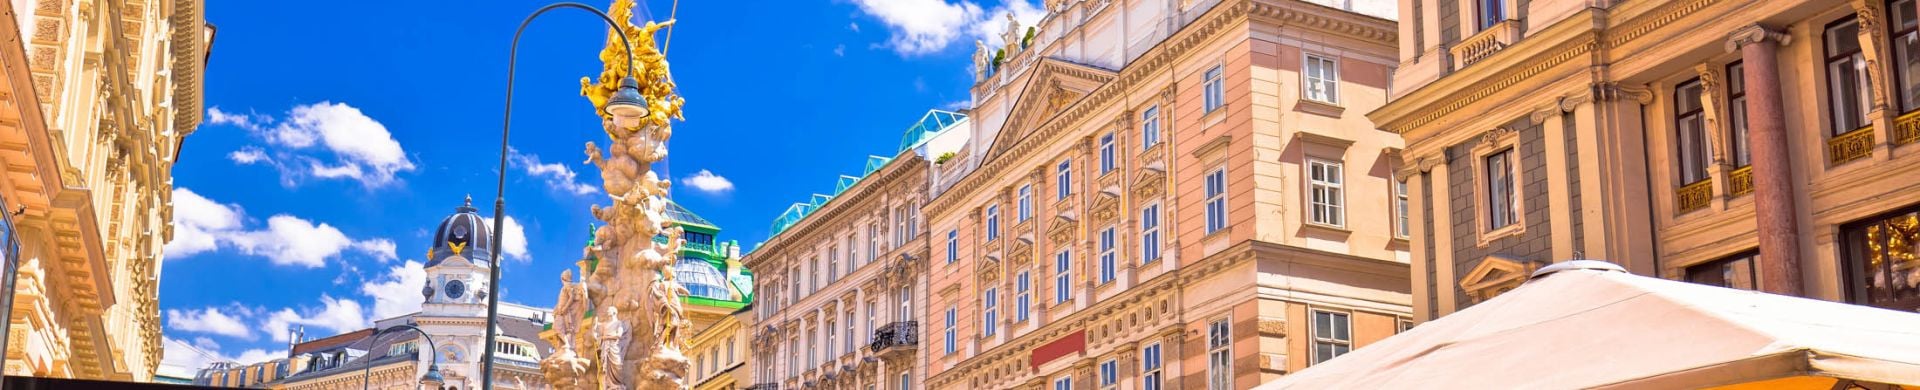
(1168, 195)
(99, 96)
(1751, 144)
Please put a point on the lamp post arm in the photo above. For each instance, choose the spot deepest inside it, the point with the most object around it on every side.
(366, 374)
(500, 189)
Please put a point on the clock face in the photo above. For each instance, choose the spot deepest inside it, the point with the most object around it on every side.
(455, 289)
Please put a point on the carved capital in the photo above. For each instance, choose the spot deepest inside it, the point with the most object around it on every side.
(1540, 115)
(1755, 33)
(1124, 121)
(1166, 94)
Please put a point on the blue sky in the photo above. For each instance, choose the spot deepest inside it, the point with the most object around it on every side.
(340, 133)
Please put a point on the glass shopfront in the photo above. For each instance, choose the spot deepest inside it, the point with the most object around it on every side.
(1882, 256)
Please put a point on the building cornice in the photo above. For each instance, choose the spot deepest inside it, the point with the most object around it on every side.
(831, 214)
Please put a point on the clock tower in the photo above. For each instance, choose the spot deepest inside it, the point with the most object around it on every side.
(457, 265)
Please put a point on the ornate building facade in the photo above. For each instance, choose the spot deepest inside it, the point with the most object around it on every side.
(841, 277)
(1657, 135)
(1168, 194)
(719, 288)
(99, 96)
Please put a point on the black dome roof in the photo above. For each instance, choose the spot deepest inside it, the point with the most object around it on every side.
(465, 234)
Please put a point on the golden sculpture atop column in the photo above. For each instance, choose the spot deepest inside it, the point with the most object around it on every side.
(630, 330)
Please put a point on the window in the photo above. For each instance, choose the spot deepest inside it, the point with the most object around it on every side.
(906, 305)
(993, 222)
(1402, 224)
(1064, 383)
(1062, 287)
(873, 242)
(812, 349)
(1846, 77)
(853, 254)
(1882, 260)
(1219, 355)
(873, 309)
(1149, 127)
(1106, 153)
(1150, 367)
(1023, 295)
(1737, 107)
(1731, 272)
(1326, 200)
(1026, 203)
(833, 264)
(906, 381)
(1109, 373)
(1063, 178)
(813, 275)
(1492, 12)
(1332, 335)
(1216, 200)
(1405, 324)
(1322, 76)
(1691, 137)
(949, 333)
(1150, 233)
(1500, 207)
(1906, 52)
(830, 338)
(848, 339)
(1106, 255)
(953, 246)
(1215, 90)
(990, 312)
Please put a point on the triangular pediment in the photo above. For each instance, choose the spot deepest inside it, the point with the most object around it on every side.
(1494, 275)
(1055, 86)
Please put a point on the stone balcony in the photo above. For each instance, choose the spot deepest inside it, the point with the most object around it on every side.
(901, 337)
(1485, 43)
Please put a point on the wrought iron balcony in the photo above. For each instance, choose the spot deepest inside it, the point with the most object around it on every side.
(1693, 196)
(1906, 128)
(901, 335)
(1853, 145)
(1740, 181)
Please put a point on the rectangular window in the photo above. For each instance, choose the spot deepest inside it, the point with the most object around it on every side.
(1500, 207)
(1023, 295)
(1402, 224)
(1846, 77)
(1150, 233)
(848, 339)
(873, 309)
(1906, 53)
(1149, 127)
(990, 312)
(853, 253)
(833, 264)
(1491, 12)
(1063, 179)
(1062, 276)
(1322, 76)
(1737, 109)
(952, 320)
(831, 343)
(1332, 335)
(1214, 89)
(1109, 373)
(1216, 200)
(1106, 153)
(1150, 364)
(1327, 200)
(873, 242)
(906, 381)
(1219, 355)
(953, 246)
(906, 305)
(1107, 257)
(1731, 272)
(1026, 203)
(1064, 383)
(993, 222)
(1882, 261)
(1690, 126)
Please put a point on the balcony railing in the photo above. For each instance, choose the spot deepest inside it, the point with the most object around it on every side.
(1906, 128)
(904, 334)
(1693, 196)
(1853, 145)
(1740, 181)
(1485, 43)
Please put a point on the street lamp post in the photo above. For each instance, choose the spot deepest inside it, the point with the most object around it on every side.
(431, 379)
(626, 107)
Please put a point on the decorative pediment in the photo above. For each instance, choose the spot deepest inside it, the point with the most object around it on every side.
(1021, 254)
(1055, 86)
(1496, 274)
(989, 270)
(1061, 230)
(1105, 206)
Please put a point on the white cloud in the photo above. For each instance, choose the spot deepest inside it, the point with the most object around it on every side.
(855, 26)
(247, 155)
(184, 359)
(928, 26)
(513, 239)
(334, 316)
(209, 320)
(706, 181)
(397, 292)
(957, 105)
(558, 176)
(324, 140)
(202, 225)
(840, 50)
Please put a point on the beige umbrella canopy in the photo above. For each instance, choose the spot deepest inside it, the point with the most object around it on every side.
(1587, 324)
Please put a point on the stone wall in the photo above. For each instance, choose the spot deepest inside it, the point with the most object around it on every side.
(1535, 243)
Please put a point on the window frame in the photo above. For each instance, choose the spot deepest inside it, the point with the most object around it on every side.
(1109, 371)
(990, 312)
(1326, 192)
(1690, 146)
(953, 246)
(1025, 205)
(951, 332)
(1219, 356)
(1063, 276)
(1150, 245)
(1402, 208)
(1215, 201)
(1213, 88)
(1152, 367)
(1334, 340)
(1149, 126)
(1908, 100)
(1856, 60)
(1698, 273)
(993, 222)
(1328, 78)
(1737, 120)
(1109, 244)
(1063, 179)
(1023, 296)
(1107, 160)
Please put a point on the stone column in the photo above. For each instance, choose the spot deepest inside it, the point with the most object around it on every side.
(1772, 167)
